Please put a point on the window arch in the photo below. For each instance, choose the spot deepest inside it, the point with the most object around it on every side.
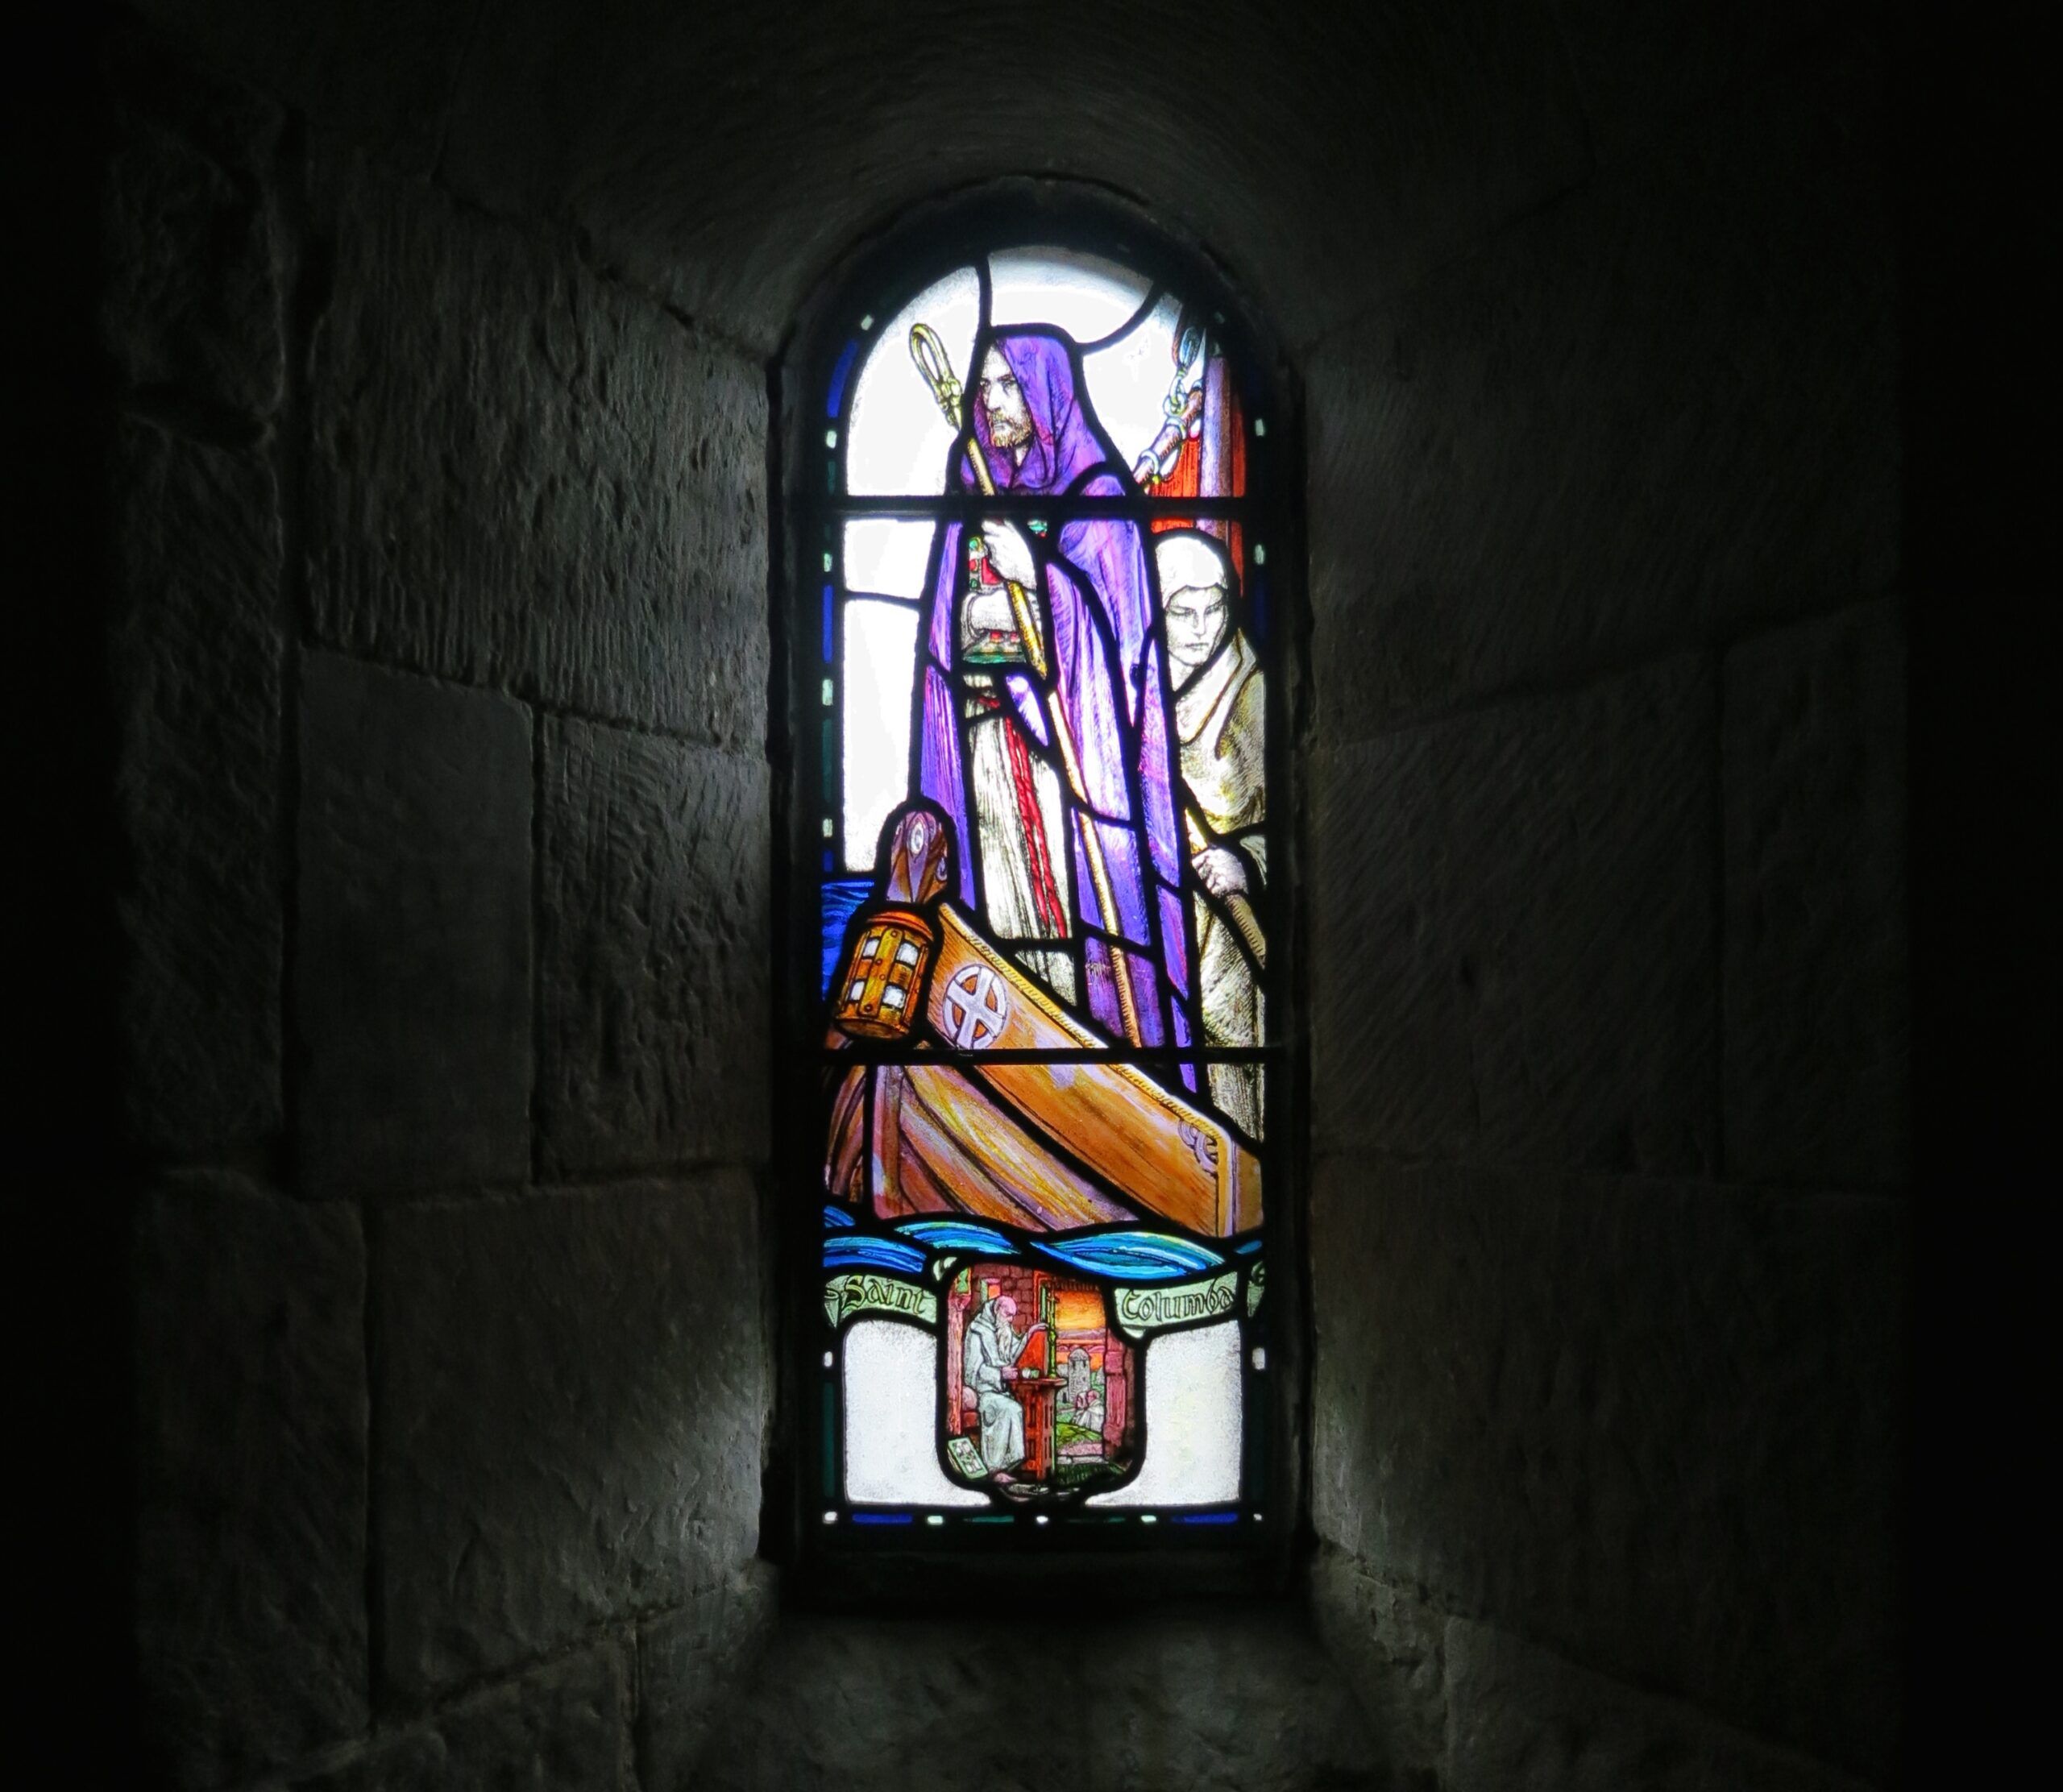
(1038, 940)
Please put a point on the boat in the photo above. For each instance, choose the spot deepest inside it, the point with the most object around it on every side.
(971, 1088)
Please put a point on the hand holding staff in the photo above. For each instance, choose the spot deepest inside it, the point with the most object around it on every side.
(1235, 901)
(928, 352)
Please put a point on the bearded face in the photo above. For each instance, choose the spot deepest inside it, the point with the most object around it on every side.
(1002, 403)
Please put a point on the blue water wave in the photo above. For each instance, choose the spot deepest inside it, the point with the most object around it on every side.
(1132, 1256)
(1129, 1256)
(858, 1250)
(841, 896)
(960, 1236)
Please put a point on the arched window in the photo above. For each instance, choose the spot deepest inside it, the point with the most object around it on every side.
(1035, 542)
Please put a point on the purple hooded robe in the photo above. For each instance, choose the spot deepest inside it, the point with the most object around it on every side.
(1104, 670)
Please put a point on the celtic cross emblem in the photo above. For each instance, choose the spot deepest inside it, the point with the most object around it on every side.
(976, 1007)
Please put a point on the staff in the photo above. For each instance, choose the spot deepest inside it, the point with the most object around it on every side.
(929, 353)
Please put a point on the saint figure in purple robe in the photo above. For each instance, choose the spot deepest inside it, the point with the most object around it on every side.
(1042, 722)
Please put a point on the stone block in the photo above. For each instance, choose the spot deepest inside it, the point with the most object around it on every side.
(251, 1475)
(190, 307)
(560, 1729)
(573, 1388)
(1237, 1698)
(413, 962)
(1817, 1048)
(859, 1705)
(1346, 150)
(1654, 1426)
(1517, 912)
(1643, 71)
(197, 652)
(1390, 1647)
(1222, 1701)
(653, 945)
(692, 1664)
(380, 70)
(524, 476)
(1524, 1718)
(1646, 416)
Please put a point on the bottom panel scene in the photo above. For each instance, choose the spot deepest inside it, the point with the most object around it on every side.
(1043, 1280)
(975, 1377)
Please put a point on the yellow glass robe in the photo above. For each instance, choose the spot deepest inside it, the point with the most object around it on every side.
(1220, 718)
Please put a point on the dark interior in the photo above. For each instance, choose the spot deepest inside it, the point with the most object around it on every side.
(400, 561)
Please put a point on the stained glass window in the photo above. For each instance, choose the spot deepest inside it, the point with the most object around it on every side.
(1036, 655)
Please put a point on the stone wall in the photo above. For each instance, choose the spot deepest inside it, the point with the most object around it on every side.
(1611, 1060)
(440, 644)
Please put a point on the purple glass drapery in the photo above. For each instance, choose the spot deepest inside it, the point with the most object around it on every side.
(1105, 677)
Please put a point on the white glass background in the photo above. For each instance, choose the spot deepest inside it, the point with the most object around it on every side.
(891, 1415)
(1192, 1402)
(879, 666)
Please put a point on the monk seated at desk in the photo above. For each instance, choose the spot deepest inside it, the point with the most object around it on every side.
(1001, 1369)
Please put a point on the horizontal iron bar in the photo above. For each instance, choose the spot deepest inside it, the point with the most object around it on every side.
(861, 1053)
(1051, 505)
